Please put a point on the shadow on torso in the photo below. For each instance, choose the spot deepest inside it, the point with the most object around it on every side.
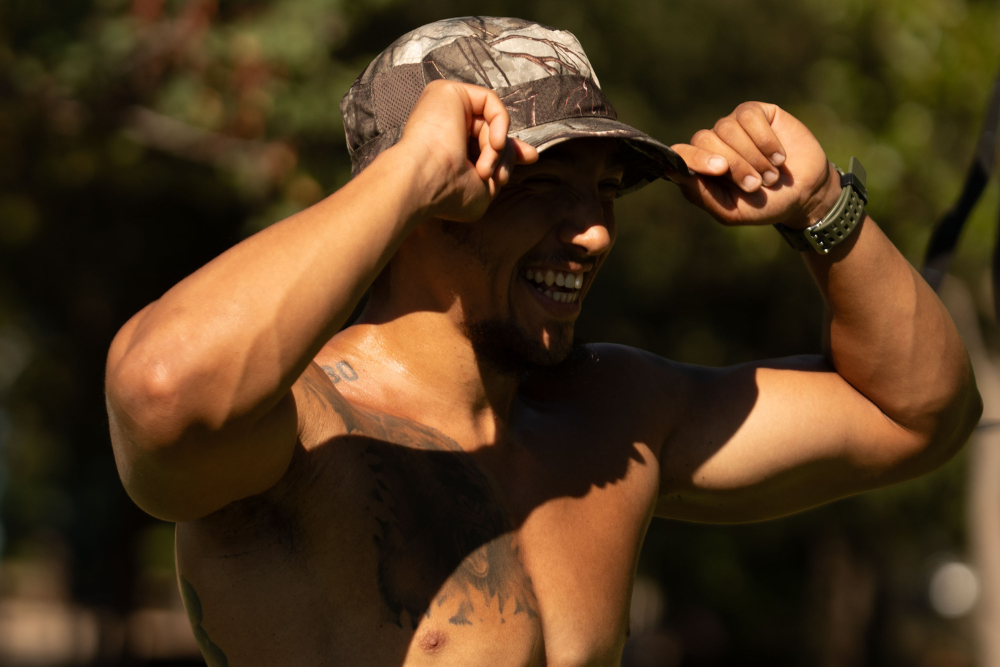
(390, 545)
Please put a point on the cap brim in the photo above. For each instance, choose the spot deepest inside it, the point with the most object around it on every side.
(646, 159)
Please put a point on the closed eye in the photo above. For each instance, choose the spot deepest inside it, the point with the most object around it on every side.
(610, 188)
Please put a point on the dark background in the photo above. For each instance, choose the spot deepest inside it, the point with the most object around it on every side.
(140, 138)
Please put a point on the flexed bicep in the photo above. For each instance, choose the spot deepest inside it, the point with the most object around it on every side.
(764, 440)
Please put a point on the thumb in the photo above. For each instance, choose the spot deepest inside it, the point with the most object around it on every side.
(700, 161)
(704, 164)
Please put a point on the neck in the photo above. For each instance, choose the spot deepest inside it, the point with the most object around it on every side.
(428, 370)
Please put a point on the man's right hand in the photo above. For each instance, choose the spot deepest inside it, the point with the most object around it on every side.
(200, 382)
(457, 132)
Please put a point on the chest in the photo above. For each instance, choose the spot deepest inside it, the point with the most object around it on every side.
(530, 550)
(545, 531)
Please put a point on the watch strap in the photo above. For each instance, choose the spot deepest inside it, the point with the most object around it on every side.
(842, 219)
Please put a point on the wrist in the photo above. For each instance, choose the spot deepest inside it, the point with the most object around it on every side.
(821, 202)
(435, 179)
(400, 166)
(836, 225)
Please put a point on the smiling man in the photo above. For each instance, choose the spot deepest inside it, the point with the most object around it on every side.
(448, 480)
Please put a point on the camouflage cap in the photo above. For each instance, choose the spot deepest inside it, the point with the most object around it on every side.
(541, 74)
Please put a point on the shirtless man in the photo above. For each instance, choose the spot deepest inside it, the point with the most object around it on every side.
(449, 481)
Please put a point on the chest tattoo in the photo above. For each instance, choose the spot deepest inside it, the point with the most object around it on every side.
(445, 543)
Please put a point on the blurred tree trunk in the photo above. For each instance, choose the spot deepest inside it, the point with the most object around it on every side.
(983, 491)
(844, 586)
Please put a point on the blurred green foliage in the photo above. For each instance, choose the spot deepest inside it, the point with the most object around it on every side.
(139, 138)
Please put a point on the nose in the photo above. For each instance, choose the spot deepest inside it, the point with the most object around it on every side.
(589, 224)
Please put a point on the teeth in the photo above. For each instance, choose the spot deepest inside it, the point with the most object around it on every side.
(561, 297)
(549, 278)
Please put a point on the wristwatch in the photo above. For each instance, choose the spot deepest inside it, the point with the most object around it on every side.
(838, 224)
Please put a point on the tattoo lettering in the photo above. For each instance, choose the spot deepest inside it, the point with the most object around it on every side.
(316, 386)
(342, 370)
(214, 657)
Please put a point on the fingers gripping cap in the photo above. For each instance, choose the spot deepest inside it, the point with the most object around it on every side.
(541, 74)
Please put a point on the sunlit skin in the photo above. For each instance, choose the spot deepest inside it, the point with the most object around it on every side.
(555, 214)
(435, 483)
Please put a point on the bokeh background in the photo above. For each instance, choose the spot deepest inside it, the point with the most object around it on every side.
(140, 138)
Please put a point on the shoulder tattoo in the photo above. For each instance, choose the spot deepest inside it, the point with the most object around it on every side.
(342, 370)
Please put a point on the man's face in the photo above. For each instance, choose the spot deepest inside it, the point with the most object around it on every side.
(529, 262)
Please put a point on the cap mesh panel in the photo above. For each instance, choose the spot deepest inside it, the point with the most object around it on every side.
(396, 92)
(550, 92)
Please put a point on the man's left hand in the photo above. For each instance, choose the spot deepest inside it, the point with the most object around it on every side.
(759, 166)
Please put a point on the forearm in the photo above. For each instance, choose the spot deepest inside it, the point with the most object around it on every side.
(889, 336)
(228, 341)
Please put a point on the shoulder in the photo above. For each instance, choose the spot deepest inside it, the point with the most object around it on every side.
(323, 410)
(625, 381)
(629, 367)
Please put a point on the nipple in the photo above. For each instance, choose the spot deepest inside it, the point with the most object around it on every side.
(433, 641)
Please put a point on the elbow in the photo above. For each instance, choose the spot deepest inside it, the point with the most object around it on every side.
(969, 415)
(953, 428)
(152, 443)
(967, 412)
(162, 429)
(146, 399)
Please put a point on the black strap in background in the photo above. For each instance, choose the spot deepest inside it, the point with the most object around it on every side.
(941, 247)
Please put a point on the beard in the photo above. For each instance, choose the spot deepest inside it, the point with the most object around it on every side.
(504, 347)
(500, 343)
